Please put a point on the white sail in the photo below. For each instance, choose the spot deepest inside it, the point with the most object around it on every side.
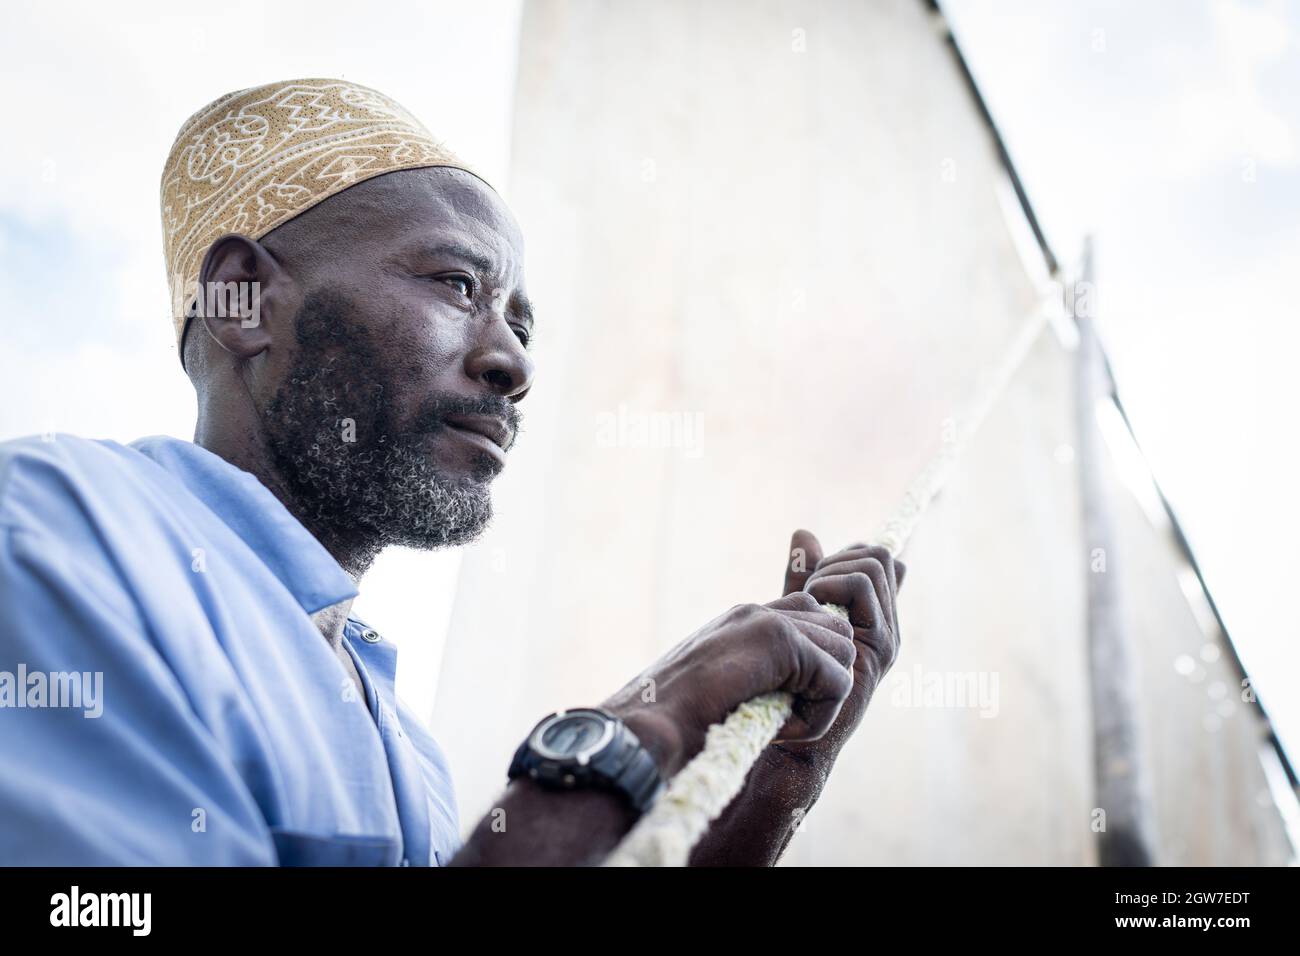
(772, 258)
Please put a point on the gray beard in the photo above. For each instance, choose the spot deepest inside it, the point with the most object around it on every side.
(382, 488)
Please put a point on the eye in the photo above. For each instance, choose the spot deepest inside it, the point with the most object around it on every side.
(460, 282)
(522, 334)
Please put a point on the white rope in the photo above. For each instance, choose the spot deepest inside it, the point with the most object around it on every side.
(696, 796)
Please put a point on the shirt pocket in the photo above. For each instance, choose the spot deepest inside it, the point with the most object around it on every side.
(295, 848)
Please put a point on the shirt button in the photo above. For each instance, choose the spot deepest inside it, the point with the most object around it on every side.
(370, 636)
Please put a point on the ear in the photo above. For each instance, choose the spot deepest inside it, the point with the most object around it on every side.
(240, 284)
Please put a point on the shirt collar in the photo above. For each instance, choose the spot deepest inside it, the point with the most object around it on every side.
(249, 509)
(379, 655)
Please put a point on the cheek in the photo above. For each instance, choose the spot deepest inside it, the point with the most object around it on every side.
(428, 346)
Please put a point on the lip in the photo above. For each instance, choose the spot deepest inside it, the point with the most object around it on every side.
(485, 431)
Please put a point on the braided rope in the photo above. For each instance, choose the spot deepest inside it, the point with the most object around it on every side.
(696, 796)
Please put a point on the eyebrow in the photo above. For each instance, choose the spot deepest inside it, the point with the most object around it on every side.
(484, 263)
(479, 259)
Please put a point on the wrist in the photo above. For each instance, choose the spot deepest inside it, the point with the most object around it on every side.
(754, 830)
(658, 733)
(810, 767)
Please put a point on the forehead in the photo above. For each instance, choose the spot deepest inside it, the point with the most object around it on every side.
(418, 205)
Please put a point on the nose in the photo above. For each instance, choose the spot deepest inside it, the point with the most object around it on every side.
(500, 363)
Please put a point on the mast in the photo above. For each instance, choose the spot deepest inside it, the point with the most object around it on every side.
(1126, 831)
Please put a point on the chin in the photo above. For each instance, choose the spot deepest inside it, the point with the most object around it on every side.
(484, 469)
(435, 539)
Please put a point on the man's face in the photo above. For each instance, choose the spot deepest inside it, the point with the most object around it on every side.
(391, 410)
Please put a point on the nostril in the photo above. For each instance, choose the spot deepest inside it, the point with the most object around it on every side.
(499, 380)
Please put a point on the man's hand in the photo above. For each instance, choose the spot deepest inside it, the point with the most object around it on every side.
(865, 579)
(791, 644)
(829, 665)
(789, 775)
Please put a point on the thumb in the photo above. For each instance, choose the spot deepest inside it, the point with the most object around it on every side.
(805, 552)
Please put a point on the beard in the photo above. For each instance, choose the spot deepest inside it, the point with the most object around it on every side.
(354, 474)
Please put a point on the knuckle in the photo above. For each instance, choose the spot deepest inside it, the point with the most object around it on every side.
(779, 629)
(861, 579)
(834, 622)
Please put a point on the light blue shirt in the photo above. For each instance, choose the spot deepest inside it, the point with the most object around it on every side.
(171, 592)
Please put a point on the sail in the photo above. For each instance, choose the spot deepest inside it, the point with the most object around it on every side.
(774, 252)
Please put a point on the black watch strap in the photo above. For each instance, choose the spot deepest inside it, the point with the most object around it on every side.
(622, 765)
(638, 779)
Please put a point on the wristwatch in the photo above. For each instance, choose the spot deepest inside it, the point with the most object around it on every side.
(588, 748)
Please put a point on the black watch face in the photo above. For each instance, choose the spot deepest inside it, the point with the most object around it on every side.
(572, 734)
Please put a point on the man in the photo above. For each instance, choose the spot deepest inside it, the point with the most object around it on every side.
(354, 320)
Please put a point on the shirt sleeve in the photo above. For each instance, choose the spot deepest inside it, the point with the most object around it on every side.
(105, 762)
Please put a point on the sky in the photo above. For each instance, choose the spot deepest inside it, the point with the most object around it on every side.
(1168, 130)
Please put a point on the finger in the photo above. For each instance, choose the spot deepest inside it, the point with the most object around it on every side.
(802, 605)
(857, 552)
(872, 568)
(820, 686)
(900, 572)
(795, 601)
(805, 552)
(857, 592)
(836, 641)
(847, 553)
(821, 618)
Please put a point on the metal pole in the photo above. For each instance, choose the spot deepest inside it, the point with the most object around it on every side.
(1126, 832)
